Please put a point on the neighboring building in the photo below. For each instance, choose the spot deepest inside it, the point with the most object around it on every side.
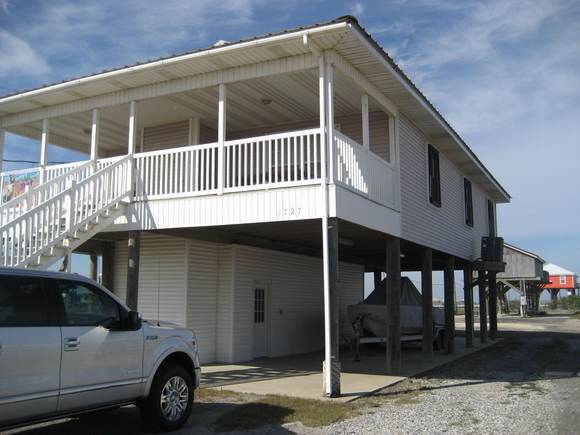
(250, 169)
(560, 279)
(524, 273)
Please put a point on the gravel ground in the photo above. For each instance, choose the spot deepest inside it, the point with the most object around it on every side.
(524, 384)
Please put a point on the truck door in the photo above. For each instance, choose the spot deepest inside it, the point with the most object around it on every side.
(29, 351)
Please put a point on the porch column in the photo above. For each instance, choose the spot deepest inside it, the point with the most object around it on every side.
(221, 136)
(393, 248)
(194, 130)
(2, 141)
(44, 149)
(108, 256)
(330, 120)
(364, 103)
(482, 307)
(449, 296)
(492, 306)
(95, 138)
(134, 245)
(131, 144)
(93, 266)
(331, 311)
(468, 304)
(427, 297)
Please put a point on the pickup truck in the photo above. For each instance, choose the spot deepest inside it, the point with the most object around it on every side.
(68, 346)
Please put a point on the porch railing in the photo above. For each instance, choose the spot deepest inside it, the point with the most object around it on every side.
(276, 160)
(363, 172)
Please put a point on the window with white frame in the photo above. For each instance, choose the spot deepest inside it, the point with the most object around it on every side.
(563, 279)
(468, 198)
(434, 176)
(259, 305)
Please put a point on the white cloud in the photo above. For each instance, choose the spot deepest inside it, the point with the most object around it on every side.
(18, 57)
(357, 9)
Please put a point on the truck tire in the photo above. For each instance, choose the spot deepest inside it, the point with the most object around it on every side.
(170, 400)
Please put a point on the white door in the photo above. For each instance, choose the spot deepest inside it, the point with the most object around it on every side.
(261, 318)
(100, 364)
(29, 351)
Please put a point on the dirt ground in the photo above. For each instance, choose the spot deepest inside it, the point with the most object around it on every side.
(528, 382)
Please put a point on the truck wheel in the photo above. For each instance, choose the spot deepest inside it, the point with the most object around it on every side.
(169, 402)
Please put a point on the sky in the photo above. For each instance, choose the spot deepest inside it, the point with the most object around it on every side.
(504, 73)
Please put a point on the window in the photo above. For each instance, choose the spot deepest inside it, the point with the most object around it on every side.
(434, 176)
(491, 217)
(86, 306)
(468, 197)
(259, 305)
(562, 280)
(22, 302)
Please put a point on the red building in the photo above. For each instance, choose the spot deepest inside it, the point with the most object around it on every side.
(560, 279)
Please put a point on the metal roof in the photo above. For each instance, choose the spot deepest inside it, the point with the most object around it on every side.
(555, 270)
(349, 39)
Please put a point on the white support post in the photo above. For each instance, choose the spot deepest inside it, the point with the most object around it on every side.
(364, 103)
(131, 143)
(394, 156)
(2, 141)
(194, 131)
(132, 124)
(330, 119)
(95, 125)
(221, 136)
(44, 149)
(325, 248)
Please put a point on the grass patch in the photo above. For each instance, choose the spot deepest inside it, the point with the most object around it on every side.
(524, 389)
(210, 394)
(407, 398)
(277, 410)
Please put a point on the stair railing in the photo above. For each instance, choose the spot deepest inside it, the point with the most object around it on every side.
(37, 230)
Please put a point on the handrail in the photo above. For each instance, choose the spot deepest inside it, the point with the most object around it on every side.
(13, 208)
(41, 227)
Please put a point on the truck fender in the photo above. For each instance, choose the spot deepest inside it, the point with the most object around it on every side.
(168, 347)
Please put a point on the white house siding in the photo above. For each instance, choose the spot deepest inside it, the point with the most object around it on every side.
(202, 295)
(162, 277)
(296, 300)
(441, 228)
(225, 305)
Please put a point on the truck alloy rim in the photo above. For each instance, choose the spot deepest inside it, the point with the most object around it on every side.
(174, 397)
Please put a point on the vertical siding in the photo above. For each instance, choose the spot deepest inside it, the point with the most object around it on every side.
(296, 300)
(202, 295)
(225, 305)
(440, 228)
(120, 269)
(162, 277)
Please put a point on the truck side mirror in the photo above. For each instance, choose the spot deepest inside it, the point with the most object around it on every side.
(133, 321)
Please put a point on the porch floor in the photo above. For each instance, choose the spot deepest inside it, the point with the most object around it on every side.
(301, 375)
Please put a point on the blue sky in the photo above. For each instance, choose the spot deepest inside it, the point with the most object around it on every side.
(505, 74)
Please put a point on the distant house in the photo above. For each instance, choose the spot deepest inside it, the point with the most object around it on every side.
(524, 274)
(560, 279)
(243, 190)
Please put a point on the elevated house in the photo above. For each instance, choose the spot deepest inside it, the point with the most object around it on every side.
(560, 279)
(524, 273)
(244, 189)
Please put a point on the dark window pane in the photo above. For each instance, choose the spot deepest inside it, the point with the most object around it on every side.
(468, 196)
(22, 302)
(434, 176)
(86, 306)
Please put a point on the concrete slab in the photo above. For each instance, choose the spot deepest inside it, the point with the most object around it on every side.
(301, 376)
